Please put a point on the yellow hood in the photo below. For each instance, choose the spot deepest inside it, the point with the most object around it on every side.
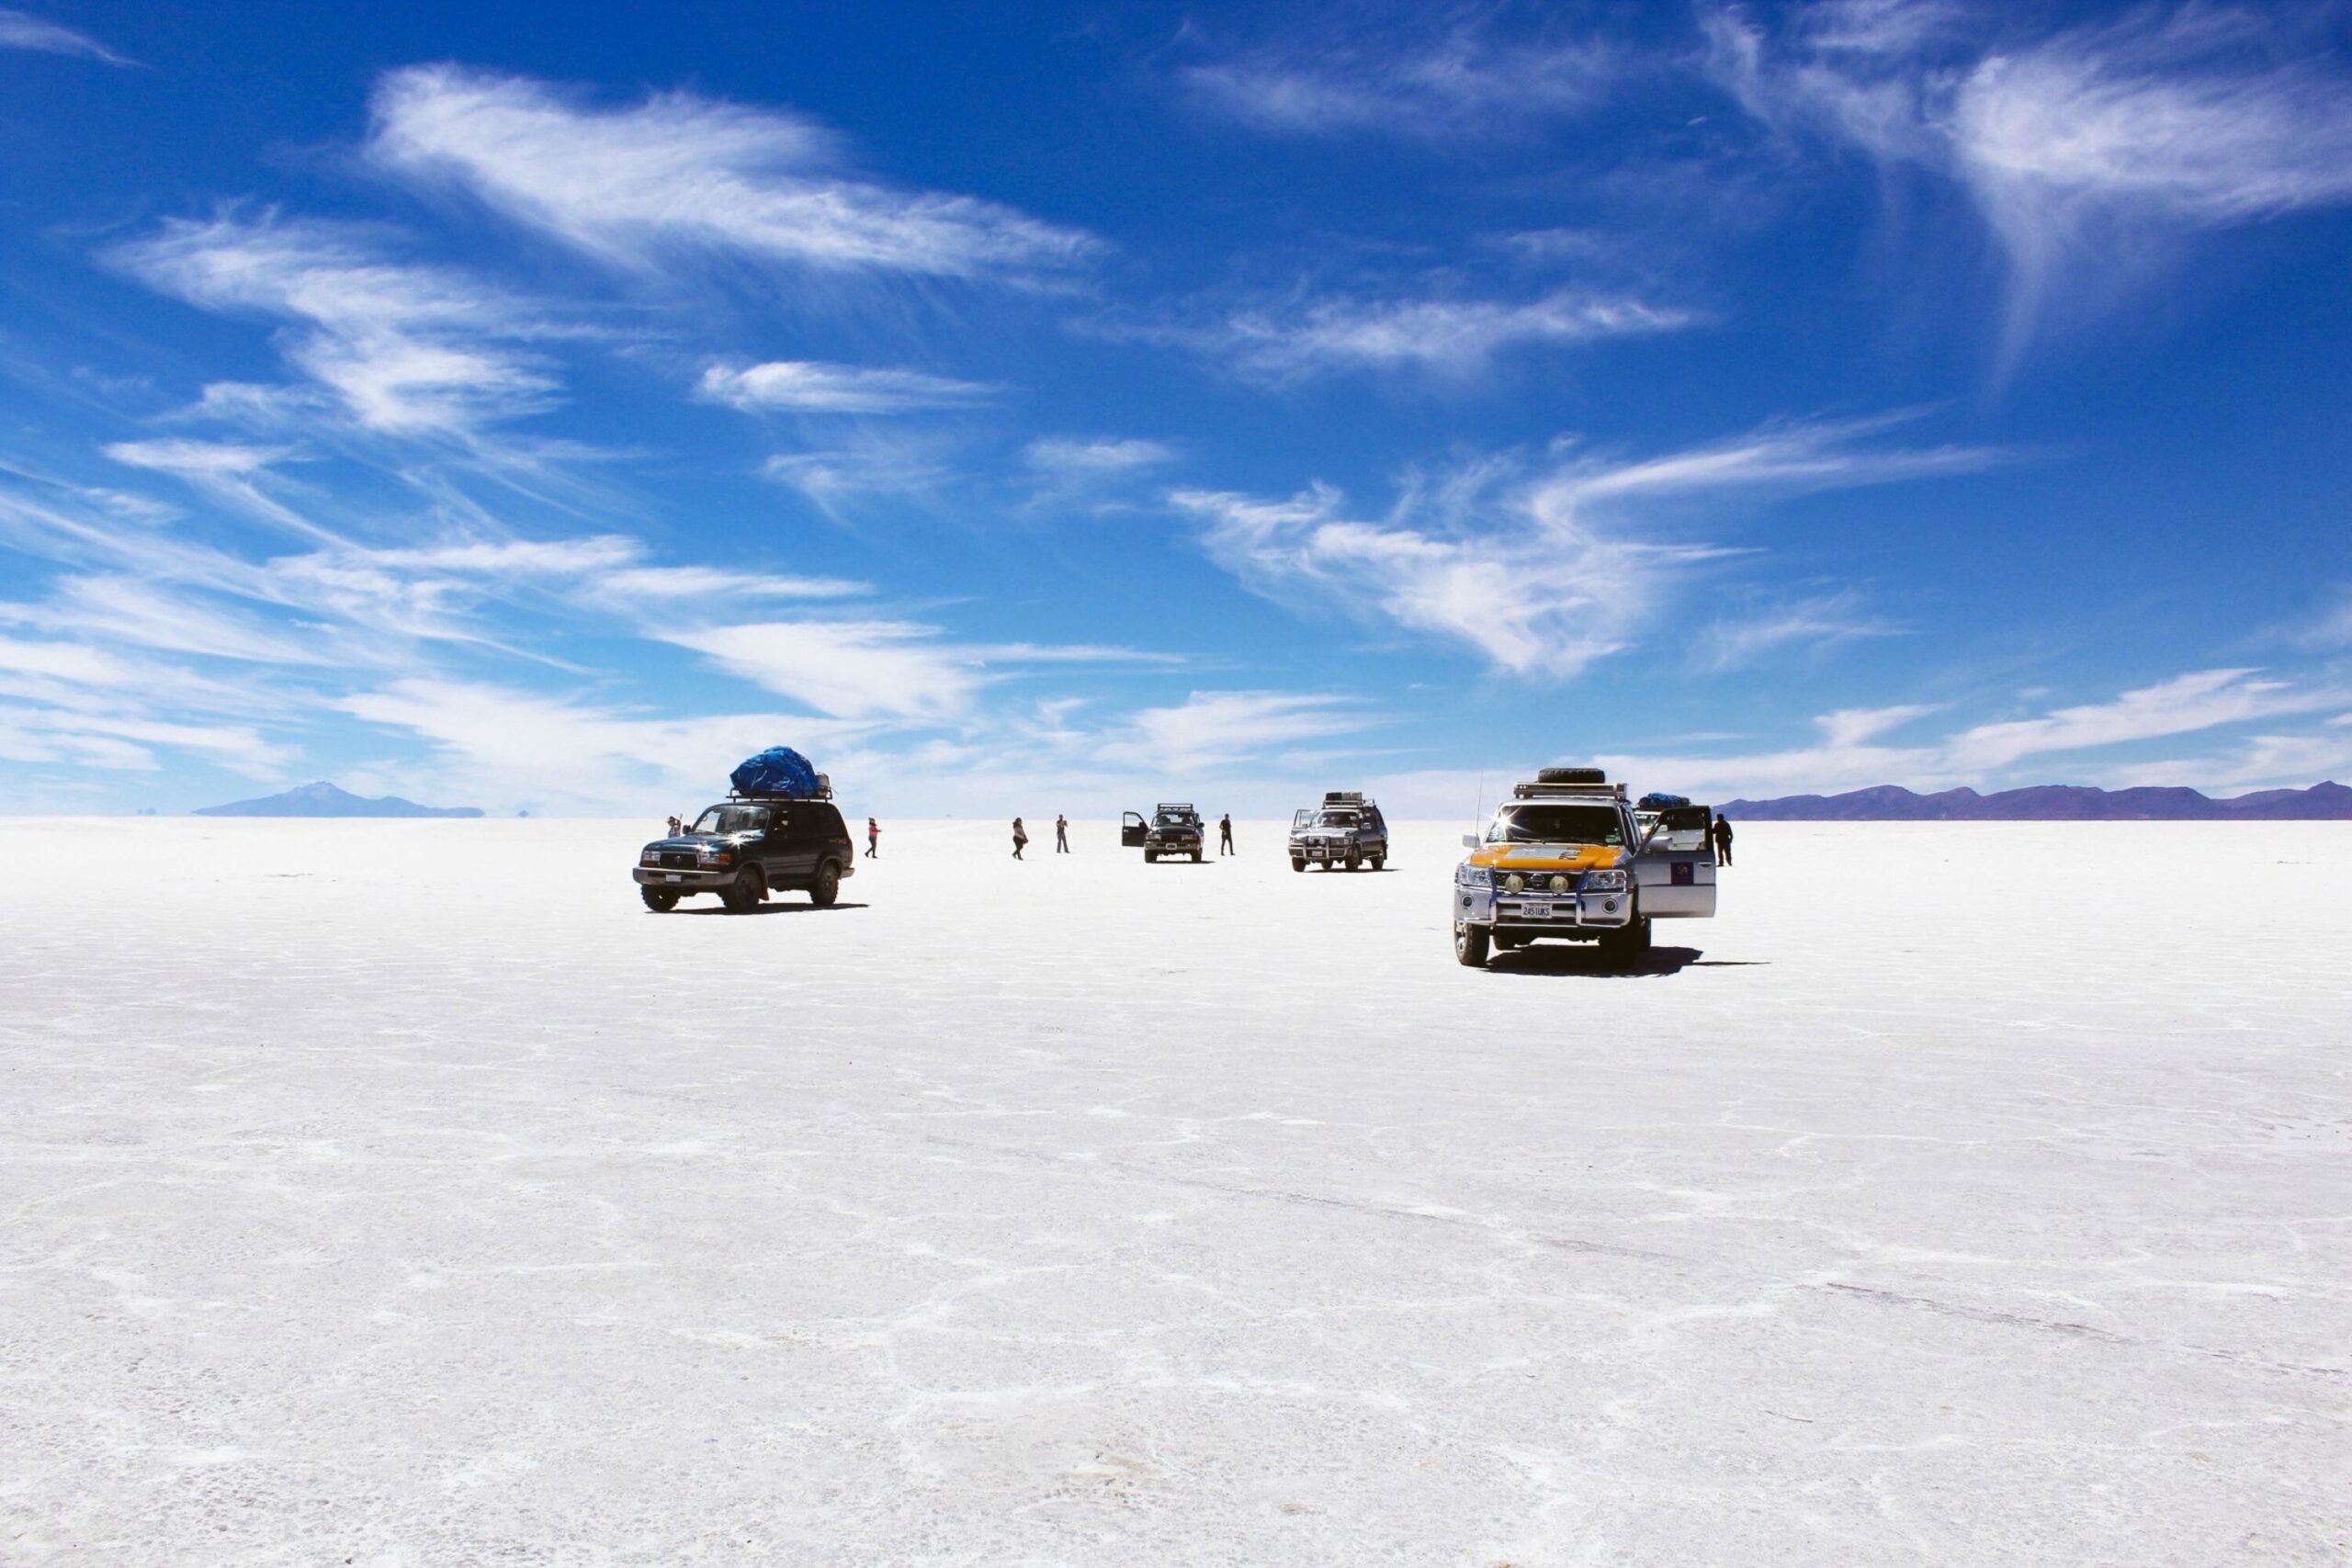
(1549, 857)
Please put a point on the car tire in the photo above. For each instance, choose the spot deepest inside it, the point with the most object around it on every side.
(1470, 946)
(1571, 775)
(658, 900)
(1196, 857)
(1378, 861)
(827, 887)
(1354, 860)
(1298, 864)
(1150, 857)
(746, 894)
(1631, 944)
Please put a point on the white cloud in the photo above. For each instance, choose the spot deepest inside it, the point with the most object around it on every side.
(678, 172)
(672, 584)
(1459, 83)
(1819, 622)
(1212, 729)
(406, 349)
(1064, 457)
(497, 744)
(2084, 147)
(18, 30)
(1454, 337)
(206, 459)
(848, 669)
(1541, 574)
(803, 386)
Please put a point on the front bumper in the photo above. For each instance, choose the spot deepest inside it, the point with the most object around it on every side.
(1564, 914)
(695, 881)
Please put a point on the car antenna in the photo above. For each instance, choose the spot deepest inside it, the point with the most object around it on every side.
(1478, 807)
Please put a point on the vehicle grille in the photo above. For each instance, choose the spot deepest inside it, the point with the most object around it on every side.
(677, 860)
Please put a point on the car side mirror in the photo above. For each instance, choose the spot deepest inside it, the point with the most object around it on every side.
(1469, 841)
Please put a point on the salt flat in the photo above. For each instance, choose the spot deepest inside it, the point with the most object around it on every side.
(405, 1193)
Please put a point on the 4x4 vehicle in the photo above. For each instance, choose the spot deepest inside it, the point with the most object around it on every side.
(1566, 859)
(746, 848)
(1174, 829)
(1346, 830)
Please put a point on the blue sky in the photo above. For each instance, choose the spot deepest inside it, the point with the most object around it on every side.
(1038, 407)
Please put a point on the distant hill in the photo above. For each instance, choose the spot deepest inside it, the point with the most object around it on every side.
(323, 799)
(2049, 802)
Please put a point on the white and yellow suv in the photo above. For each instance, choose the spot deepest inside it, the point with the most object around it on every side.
(1565, 860)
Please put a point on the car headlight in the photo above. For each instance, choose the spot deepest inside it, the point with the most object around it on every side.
(1514, 883)
(1604, 882)
(649, 857)
(1559, 884)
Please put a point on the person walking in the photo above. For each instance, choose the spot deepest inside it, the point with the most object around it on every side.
(872, 838)
(1020, 839)
(1225, 835)
(1722, 835)
(1061, 834)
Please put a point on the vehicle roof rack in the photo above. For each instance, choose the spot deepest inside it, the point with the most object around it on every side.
(824, 792)
(1173, 806)
(1343, 797)
(1541, 790)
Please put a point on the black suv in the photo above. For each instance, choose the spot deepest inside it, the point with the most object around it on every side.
(745, 850)
(1174, 829)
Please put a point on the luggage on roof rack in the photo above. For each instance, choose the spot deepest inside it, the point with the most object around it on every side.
(1656, 802)
(1571, 775)
(779, 773)
(1343, 797)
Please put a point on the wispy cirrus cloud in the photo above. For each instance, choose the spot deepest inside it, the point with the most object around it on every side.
(1453, 79)
(678, 172)
(1446, 337)
(1541, 571)
(803, 386)
(405, 348)
(20, 31)
(2078, 147)
(899, 671)
(1214, 729)
(1813, 623)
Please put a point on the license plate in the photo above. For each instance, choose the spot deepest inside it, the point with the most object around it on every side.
(674, 876)
(1536, 911)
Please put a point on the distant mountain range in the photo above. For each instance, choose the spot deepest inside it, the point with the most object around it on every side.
(323, 799)
(2049, 802)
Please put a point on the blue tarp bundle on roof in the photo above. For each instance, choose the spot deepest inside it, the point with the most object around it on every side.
(779, 770)
(1660, 802)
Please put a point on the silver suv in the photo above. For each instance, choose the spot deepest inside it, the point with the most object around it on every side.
(1346, 830)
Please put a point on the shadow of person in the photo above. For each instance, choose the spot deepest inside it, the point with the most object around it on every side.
(1588, 959)
(774, 907)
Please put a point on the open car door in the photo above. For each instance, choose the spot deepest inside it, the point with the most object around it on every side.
(1132, 831)
(1675, 867)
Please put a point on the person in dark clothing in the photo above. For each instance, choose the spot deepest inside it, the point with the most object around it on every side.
(872, 838)
(1020, 839)
(1225, 834)
(1061, 835)
(1722, 834)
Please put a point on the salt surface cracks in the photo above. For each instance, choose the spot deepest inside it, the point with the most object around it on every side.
(403, 1194)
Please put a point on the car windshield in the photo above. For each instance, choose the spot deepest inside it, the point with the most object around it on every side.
(733, 819)
(1339, 819)
(1547, 822)
(1177, 819)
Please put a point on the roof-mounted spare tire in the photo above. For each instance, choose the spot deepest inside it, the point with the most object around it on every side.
(1571, 775)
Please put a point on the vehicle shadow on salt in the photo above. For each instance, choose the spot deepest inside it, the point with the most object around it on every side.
(1589, 961)
(770, 910)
